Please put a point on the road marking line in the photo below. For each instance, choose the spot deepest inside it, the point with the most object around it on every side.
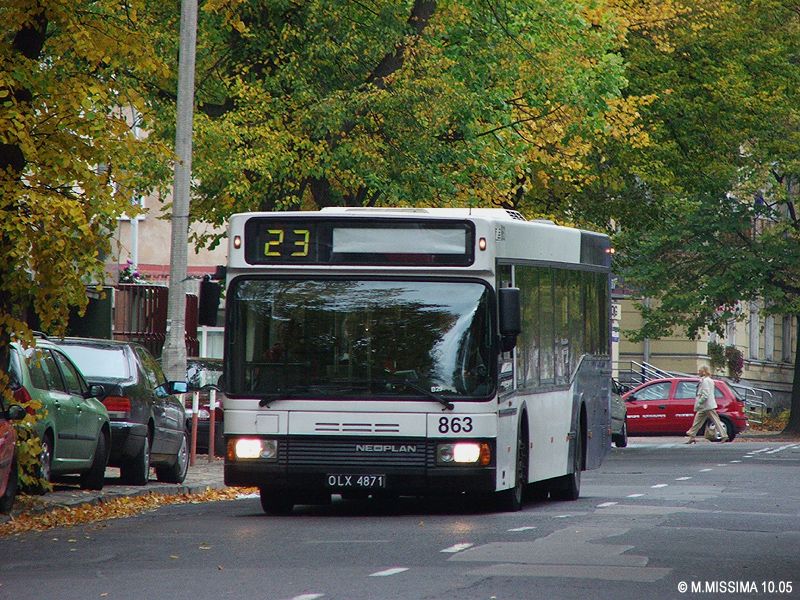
(457, 548)
(528, 528)
(562, 516)
(736, 461)
(635, 495)
(779, 449)
(761, 450)
(705, 470)
(308, 597)
(388, 572)
(683, 479)
(659, 485)
(605, 504)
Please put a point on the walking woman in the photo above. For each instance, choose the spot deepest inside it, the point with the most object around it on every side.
(705, 406)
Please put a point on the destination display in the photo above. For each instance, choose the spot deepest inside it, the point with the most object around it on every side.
(361, 241)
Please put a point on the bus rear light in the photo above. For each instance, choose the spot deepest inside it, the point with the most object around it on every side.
(252, 448)
(469, 453)
(118, 407)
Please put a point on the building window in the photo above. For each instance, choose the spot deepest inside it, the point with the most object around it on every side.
(755, 326)
(730, 333)
(786, 339)
(769, 338)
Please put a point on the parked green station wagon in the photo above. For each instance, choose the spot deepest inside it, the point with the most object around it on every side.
(74, 429)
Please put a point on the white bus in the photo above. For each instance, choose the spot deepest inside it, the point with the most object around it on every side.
(387, 352)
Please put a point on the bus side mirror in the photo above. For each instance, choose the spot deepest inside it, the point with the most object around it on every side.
(208, 304)
(510, 318)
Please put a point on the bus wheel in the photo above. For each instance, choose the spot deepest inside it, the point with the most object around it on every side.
(511, 500)
(274, 504)
(568, 487)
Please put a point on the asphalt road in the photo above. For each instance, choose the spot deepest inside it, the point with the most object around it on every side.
(723, 519)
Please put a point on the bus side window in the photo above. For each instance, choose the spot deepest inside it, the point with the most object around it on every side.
(505, 367)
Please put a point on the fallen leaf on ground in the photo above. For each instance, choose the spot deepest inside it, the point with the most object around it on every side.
(116, 508)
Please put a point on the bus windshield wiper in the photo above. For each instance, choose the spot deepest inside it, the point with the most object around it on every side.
(272, 396)
(418, 388)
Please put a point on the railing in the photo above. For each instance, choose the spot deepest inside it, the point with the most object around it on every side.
(756, 401)
(632, 373)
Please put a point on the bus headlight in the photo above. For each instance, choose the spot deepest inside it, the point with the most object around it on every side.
(250, 448)
(479, 453)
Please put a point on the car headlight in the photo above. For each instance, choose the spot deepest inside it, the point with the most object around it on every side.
(254, 448)
(473, 453)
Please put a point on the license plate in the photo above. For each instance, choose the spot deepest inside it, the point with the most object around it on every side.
(343, 480)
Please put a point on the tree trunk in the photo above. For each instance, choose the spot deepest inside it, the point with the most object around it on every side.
(793, 426)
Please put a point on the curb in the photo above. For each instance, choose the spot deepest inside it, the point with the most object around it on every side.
(69, 496)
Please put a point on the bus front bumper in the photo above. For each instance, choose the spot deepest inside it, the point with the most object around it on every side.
(397, 481)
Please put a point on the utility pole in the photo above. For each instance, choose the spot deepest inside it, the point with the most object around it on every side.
(174, 354)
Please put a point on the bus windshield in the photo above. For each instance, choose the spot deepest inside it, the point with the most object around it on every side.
(334, 338)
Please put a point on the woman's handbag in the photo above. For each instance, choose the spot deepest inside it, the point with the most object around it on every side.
(711, 432)
(700, 401)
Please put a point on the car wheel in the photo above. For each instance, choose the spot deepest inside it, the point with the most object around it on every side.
(273, 504)
(568, 487)
(7, 500)
(176, 472)
(94, 478)
(44, 471)
(137, 471)
(622, 438)
(729, 428)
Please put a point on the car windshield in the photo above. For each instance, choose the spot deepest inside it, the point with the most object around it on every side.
(350, 339)
(99, 363)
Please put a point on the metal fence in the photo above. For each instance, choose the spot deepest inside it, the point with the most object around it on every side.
(140, 315)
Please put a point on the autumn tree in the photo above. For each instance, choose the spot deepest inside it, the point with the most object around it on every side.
(706, 209)
(68, 74)
(388, 102)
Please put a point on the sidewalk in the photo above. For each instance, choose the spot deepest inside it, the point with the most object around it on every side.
(202, 476)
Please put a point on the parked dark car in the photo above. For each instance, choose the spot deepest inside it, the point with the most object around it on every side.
(147, 419)
(73, 426)
(8, 453)
(666, 407)
(201, 374)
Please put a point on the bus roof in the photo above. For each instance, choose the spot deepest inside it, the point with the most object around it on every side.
(508, 233)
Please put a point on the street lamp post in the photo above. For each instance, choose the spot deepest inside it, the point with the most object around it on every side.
(174, 354)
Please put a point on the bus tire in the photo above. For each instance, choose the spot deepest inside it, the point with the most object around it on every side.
(568, 487)
(511, 500)
(274, 504)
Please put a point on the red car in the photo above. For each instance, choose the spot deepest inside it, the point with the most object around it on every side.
(666, 407)
(8, 454)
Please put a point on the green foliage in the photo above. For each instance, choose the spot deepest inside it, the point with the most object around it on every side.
(304, 105)
(724, 132)
(716, 355)
(734, 359)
